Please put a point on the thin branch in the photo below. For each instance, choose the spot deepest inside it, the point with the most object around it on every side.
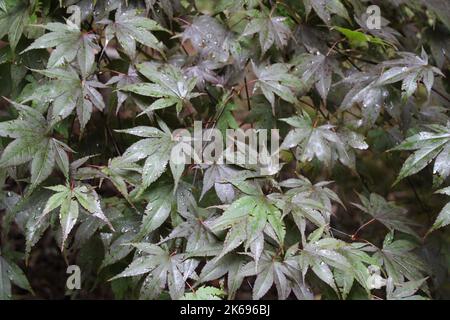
(355, 234)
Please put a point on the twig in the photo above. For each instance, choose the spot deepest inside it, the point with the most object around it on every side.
(247, 94)
(354, 235)
(317, 108)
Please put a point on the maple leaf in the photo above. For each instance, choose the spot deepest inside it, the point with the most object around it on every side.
(10, 273)
(33, 142)
(362, 267)
(275, 80)
(321, 142)
(217, 176)
(392, 216)
(156, 148)
(271, 30)
(386, 33)
(70, 43)
(429, 145)
(203, 70)
(319, 256)
(443, 219)
(200, 241)
(68, 200)
(368, 94)
(211, 39)
(281, 271)
(318, 69)
(405, 290)
(122, 80)
(67, 92)
(307, 201)
(129, 28)
(163, 268)
(410, 69)
(204, 293)
(399, 260)
(230, 264)
(14, 20)
(169, 86)
(325, 8)
(248, 218)
(119, 171)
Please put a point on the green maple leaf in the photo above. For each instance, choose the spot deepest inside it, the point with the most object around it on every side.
(274, 80)
(163, 268)
(68, 200)
(389, 214)
(70, 43)
(226, 119)
(405, 290)
(33, 142)
(11, 273)
(429, 145)
(281, 271)
(217, 176)
(160, 205)
(400, 261)
(307, 201)
(325, 8)
(15, 19)
(360, 262)
(321, 256)
(231, 265)
(35, 226)
(129, 28)
(156, 148)
(200, 241)
(247, 219)
(409, 69)
(358, 38)
(322, 142)
(168, 85)
(271, 29)
(316, 68)
(365, 92)
(443, 219)
(121, 173)
(67, 92)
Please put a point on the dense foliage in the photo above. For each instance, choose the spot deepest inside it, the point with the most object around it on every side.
(94, 89)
